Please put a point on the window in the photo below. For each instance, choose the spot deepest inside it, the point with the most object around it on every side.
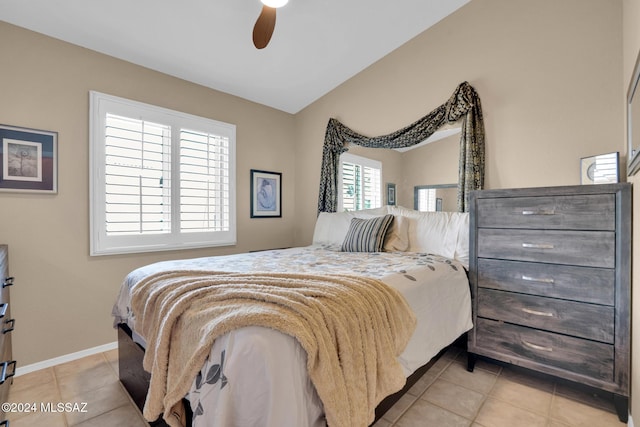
(361, 182)
(160, 179)
(426, 199)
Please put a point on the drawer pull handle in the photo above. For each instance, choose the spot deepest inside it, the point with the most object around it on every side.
(3, 309)
(5, 367)
(537, 313)
(537, 246)
(536, 347)
(11, 322)
(8, 281)
(539, 212)
(537, 279)
(4, 423)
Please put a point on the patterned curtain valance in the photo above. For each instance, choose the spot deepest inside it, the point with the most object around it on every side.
(464, 104)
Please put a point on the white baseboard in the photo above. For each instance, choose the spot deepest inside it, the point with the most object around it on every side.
(66, 358)
(630, 420)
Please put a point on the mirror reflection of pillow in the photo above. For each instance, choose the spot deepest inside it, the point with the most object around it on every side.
(367, 235)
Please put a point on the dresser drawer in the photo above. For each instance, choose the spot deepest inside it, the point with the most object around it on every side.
(575, 355)
(584, 212)
(589, 321)
(586, 248)
(586, 284)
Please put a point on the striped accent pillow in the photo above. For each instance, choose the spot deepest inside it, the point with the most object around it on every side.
(367, 235)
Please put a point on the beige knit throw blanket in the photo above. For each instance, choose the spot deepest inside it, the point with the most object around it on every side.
(352, 329)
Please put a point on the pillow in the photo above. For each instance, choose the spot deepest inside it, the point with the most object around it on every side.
(398, 235)
(441, 233)
(367, 235)
(331, 228)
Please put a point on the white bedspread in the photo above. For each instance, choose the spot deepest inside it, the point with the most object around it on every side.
(257, 376)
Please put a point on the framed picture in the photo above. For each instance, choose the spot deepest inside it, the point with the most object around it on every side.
(29, 159)
(391, 194)
(438, 204)
(266, 194)
(600, 169)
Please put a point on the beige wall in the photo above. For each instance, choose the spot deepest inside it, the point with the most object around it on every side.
(62, 299)
(548, 74)
(631, 47)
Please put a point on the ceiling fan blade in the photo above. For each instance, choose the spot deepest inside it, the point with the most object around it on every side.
(263, 29)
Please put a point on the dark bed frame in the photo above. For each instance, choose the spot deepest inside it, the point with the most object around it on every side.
(136, 380)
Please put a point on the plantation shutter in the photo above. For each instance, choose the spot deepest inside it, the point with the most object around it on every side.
(371, 188)
(361, 183)
(137, 176)
(204, 182)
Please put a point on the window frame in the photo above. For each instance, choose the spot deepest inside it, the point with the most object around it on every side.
(363, 162)
(102, 244)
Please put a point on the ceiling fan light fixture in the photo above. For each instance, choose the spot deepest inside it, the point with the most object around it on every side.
(274, 3)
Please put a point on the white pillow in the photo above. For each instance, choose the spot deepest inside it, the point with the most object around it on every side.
(331, 227)
(441, 233)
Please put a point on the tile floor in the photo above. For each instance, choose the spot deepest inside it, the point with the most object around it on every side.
(447, 395)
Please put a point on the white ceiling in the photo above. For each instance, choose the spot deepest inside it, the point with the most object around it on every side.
(316, 45)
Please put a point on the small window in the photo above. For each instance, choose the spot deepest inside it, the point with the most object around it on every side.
(160, 179)
(426, 199)
(361, 182)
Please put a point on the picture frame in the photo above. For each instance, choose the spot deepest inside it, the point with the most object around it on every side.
(391, 194)
(438, 204)
(266, 194)
(600, 169)
(28, 160)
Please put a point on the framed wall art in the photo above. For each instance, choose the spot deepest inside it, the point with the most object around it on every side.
(391, 194)
(266, 194)
(29, 160)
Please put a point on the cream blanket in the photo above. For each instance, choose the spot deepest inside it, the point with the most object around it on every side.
(352, 329)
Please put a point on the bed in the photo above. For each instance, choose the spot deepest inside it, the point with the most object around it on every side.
(258, 376)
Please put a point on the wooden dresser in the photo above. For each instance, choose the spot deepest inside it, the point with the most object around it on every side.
(7, 364)
(550, 272)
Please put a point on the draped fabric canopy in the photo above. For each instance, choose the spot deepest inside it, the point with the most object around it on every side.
(463, 104)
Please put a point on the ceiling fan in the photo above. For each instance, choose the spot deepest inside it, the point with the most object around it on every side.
(266, 22)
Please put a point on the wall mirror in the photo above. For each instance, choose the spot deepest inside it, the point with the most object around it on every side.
(435, 198)
(428, 170)
(633, 119)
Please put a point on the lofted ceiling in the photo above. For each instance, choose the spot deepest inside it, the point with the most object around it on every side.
(316, 45)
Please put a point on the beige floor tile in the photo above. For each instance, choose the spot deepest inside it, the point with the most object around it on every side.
(422, 384)
(98, 401)
(42, 393)
(522, 395)
(478, 380)
(40, 419)
(112, 358)
(423, 413)
(495, 413)
(32, 379)
(556, 423)
(79, 366)
(446, 396)
(86, 379)
(440, 365)
(122, 416)
(398, 409)
(382, 423)
(454, 398)
(578, 414)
